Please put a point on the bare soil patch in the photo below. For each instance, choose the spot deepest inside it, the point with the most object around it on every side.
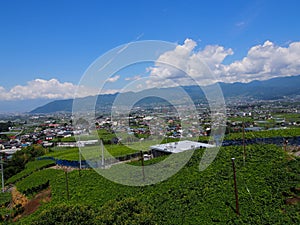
(33, 204)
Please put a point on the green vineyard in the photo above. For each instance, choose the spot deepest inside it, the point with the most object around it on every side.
(267, 182)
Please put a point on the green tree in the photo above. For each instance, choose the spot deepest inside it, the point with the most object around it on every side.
(20, 158)
(125, 212)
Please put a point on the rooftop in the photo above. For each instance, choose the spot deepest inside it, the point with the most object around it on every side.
(181, 146)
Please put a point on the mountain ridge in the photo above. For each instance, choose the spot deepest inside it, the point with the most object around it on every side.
(275, 88)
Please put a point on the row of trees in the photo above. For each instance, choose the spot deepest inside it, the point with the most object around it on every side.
(20, 158)
(5, 126)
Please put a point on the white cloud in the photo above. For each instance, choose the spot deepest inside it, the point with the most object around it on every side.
(213, 55)
(113, 79)
(171, 66)
(262, 62)
(137, 77)
(45, 89)
(108, 91)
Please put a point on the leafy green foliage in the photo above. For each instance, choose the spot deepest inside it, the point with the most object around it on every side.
(37, 181)
(67, 214)
(5, 198)
(20, 158)
(290, 132)
(30, 167)
(5, 126)
(106, 136)
(4, 215)
(192, 197)
(128, 211)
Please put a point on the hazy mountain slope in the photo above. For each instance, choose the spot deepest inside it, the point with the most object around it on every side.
(275, 88)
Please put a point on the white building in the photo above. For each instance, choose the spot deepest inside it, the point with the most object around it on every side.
(177, 147)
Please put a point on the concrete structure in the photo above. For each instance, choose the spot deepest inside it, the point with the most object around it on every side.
(77, 144)
(177, 147)
(10, 151)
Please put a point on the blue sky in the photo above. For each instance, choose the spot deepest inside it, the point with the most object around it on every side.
(57, 40)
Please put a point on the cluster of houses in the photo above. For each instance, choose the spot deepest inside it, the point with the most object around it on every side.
(154, 125)
(160, 121)
(42, 134)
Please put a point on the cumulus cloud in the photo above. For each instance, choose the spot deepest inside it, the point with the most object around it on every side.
(184, 64)
(45, 89)
(207, 66)
(113, 79)
(263, 62)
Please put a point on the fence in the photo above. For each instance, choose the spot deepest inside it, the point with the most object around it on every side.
(92, 163)
(109, 161)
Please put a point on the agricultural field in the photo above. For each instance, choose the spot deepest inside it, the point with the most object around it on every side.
(115, 150)
(125, 148)
(267, 184)
(34, 182)
(289, 132)
(276, 120)
(30, 167)
(70, 153)
(288, 117)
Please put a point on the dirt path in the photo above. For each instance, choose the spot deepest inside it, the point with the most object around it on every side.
(33, 204)
(29, 206)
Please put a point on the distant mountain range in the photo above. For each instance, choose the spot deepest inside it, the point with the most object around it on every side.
(276, 88)
(20, 106)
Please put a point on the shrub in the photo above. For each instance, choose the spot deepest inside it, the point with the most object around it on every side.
(67, 214)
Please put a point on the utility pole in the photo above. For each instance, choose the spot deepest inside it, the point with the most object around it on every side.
(102, 153)
(80, 166)
(2, 173)
(79, 145)
(285, 144)
(67, 184)
(235, 188)
(244, 144)
(142, 159)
